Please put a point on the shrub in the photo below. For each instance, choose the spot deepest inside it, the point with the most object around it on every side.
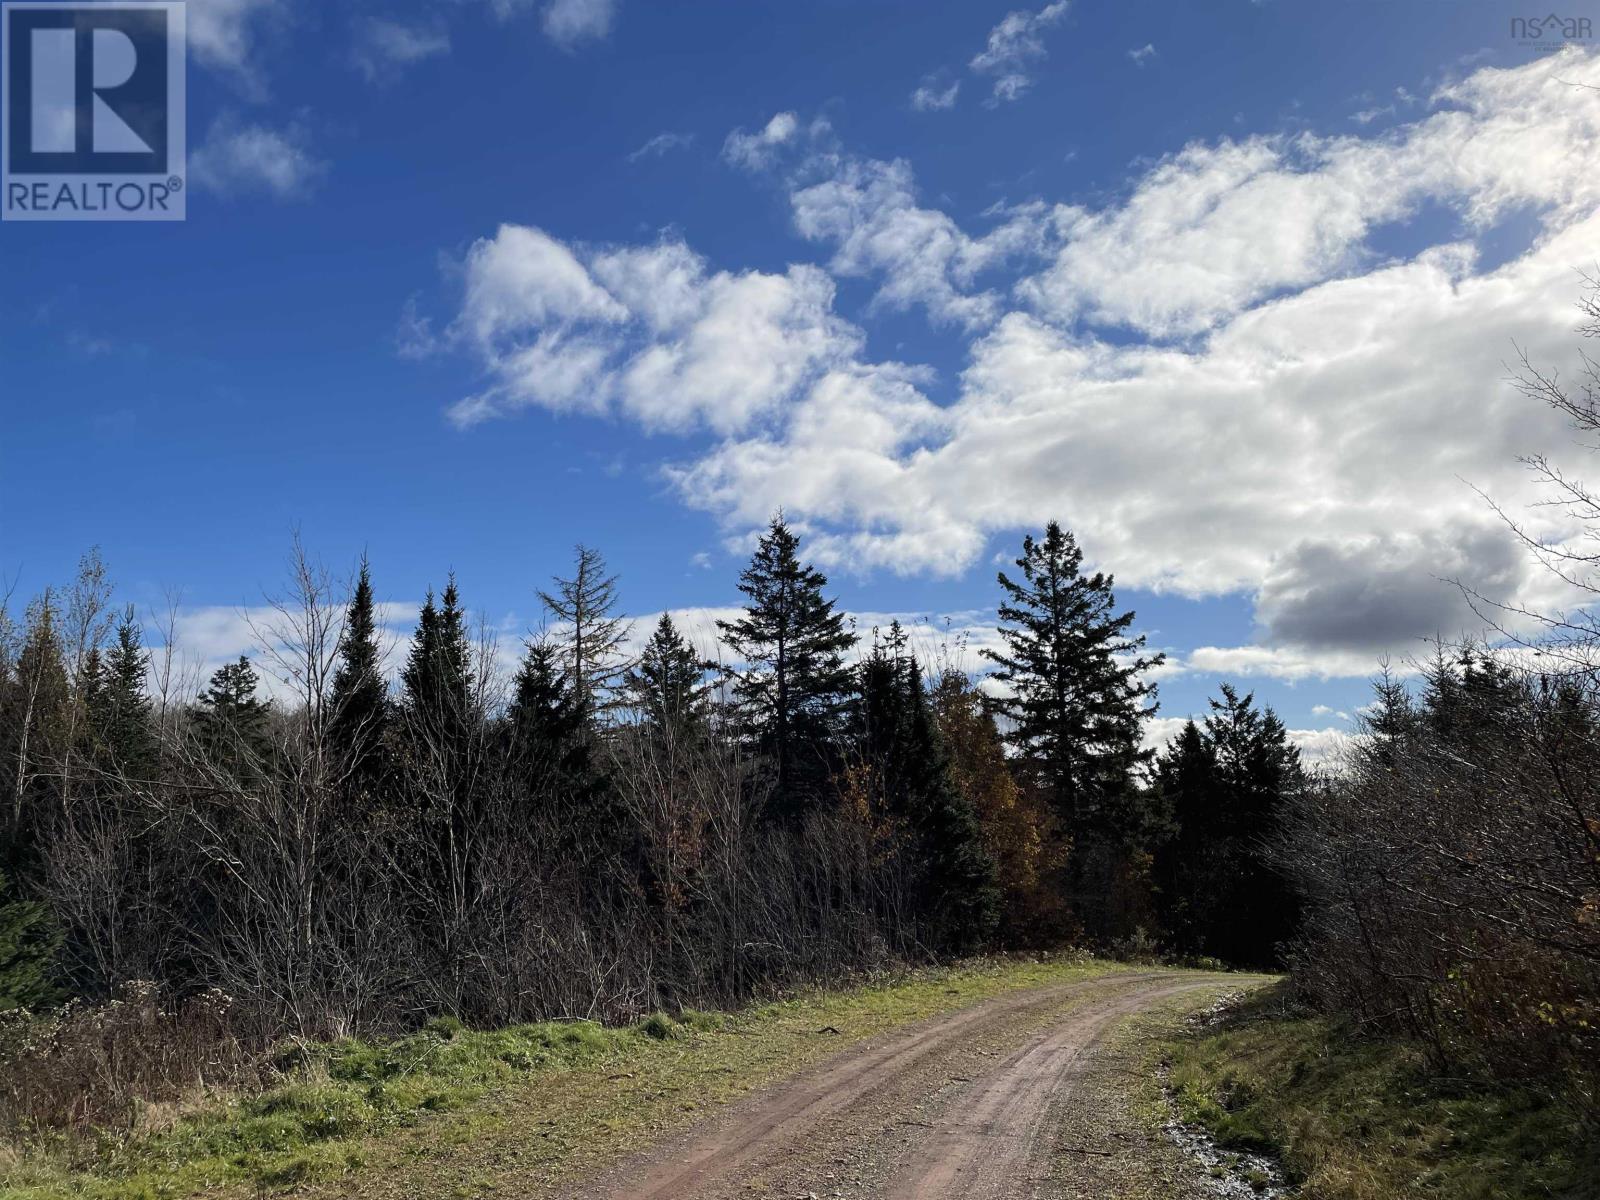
(94, 1065)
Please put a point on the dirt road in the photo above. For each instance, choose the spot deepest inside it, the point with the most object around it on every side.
(970, 1105)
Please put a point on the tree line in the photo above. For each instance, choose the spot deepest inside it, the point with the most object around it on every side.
(599, 833)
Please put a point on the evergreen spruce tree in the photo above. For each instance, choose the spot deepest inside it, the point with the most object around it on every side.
(550, 753)
(591, 632)
(1226, 784)
(125, 730)
(1187, 863)
(437, 678)
(1076, 701)
(231, 720)
(796, 682)
(90, 694)
(359, 699)
(28, 944)
(668, 684)
(899, 744)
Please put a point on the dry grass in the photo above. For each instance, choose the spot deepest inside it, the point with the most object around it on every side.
(450, 1111)
(1364, 1119)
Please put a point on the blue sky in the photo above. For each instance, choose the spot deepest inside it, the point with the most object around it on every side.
(1227, 288)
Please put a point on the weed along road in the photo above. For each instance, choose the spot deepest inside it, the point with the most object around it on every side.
(979, 1104)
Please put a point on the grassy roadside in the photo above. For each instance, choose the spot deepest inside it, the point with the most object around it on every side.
(1354, 1119)
(454, 1112)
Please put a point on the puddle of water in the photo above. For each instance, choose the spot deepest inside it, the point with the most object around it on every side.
(1227, 1174)
(1235, 1176)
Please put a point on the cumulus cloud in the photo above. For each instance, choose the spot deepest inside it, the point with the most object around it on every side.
(649, 331)
(1322, 749)
(868, 210)
(239, 157)
(1142, 55)
(384, 49)
(1217, 227)
(1015, 47)
(1373, 593)
(1299, 423)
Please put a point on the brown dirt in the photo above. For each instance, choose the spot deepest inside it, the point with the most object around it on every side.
(970, 1105)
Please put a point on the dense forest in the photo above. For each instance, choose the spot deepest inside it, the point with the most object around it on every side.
(344, 847)
(319, 841)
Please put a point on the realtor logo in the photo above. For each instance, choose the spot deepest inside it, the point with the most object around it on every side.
(92, 111)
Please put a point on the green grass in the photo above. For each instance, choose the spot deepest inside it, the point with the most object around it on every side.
(449, 1110)
(1360, 1119)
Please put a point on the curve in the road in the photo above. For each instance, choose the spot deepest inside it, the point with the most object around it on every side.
(984, 1140)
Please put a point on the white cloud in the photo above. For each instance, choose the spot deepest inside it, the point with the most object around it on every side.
(383, 48)
(1015, 47)
(222, 33)
(206, 637)
(1318, 439)
(238, 157)
(1276, 662)
(662, 144)
(1142, 55)
(869, 211)
(756, 151)
(1322, 748)
(1306, 438)
(932, 95)
(1319, 748)
(568, 23)
(1218, 227)
(648, 331)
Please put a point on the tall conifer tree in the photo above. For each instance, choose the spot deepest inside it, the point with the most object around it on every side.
(359, 699)
(126, 729)
(797, 681)
(550, 752)
(668, 684)
(905, 759)
(590, 630)
(1076, 701)
(231, 720)
(1226, 783)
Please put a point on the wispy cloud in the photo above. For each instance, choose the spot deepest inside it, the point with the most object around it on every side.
(661, 144)
(223, 35)
(754, 151)
(569, 23)
(1015, 47)
(238, 158)
(384, 49)
(934, 95)
(1142, 54)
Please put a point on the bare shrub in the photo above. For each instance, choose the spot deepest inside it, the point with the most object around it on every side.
(93, 1065)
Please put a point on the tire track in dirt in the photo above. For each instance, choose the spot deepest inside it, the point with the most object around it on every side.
(849, 1103)
(993, 1143)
